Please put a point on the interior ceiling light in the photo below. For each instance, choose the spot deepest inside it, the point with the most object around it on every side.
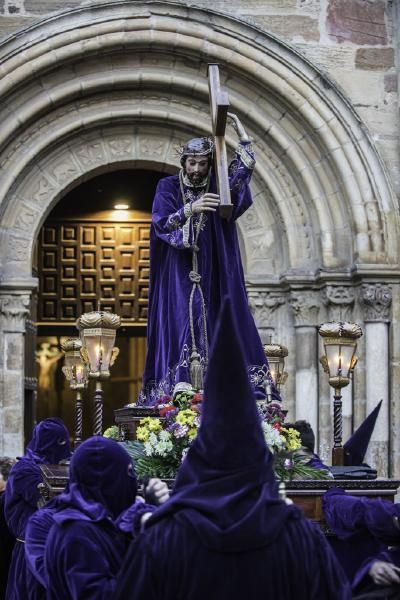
(121, 206)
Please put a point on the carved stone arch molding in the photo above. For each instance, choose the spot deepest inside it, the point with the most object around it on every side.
(124, 83)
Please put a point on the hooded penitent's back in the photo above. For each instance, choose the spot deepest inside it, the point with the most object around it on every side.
(226, 489)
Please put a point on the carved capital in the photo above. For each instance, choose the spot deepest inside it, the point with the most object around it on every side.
(377, 299)
(263, 305)
(305, 306)
(339, 300)
(14, 308)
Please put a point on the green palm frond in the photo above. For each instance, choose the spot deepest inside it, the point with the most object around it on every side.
(297, 468)
(152, 466)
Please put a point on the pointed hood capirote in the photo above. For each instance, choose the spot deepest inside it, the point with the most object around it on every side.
(356, 446)
(226, 488)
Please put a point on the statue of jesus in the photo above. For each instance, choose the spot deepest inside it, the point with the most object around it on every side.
(194, 263)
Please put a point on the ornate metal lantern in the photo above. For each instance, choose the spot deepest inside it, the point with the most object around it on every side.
(75, 369)
(276, 354)
(339, 360)
(76, 373)
(97, 332)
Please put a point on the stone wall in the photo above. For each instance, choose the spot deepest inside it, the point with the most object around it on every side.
(355, 42)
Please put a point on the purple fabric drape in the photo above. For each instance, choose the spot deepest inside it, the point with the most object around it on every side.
(220, 267)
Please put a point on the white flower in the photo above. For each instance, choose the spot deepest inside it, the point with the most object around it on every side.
(165, 436)
(148, 449)
(273, 438)
(153, 438)
(163, 447)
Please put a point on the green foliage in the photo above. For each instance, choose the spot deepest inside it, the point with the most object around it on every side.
(112, 432)
(133, 448)
(289, 466)
(153, 466)
(182, 400)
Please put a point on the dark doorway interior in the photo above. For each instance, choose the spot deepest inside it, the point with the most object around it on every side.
(89, 252)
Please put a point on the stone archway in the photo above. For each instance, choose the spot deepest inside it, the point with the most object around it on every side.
(125, 83)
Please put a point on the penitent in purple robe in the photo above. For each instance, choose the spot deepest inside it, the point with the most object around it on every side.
(84, 547)
(365, 528)
(219, 264)
(49, 444)
(224, 532)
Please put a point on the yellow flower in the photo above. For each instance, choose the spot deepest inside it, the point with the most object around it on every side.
(186, 417)
(142, 434)
(192, 433)
(292, 437)
(150, 423)
(155, 425)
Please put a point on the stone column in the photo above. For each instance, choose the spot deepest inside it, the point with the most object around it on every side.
(305, 306)
(14, 307)
(394, 470)
(339, 301)
(377, 299)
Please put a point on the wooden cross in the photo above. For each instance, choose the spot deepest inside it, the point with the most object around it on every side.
(219, 105)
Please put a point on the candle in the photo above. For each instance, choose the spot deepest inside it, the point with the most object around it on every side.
(99, 358)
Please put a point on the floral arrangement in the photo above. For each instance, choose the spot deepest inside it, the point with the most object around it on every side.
(162, 442)
(165, 440)
(278, 437)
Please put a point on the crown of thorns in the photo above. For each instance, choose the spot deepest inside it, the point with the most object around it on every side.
(197, 147)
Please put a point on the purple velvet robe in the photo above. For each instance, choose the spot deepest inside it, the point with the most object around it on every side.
(363, 526)
(49, 444)
(6, 547)
(168, 562)
(83, 557)
(23, 496)
(364, 584)
(220, 267)
(41, 522)
(37, 530)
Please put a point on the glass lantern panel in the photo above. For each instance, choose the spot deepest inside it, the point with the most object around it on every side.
(99, 346)
(339, 358)
(346, 354)
(332, 355)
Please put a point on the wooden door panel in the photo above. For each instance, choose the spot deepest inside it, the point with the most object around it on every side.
(81, 263)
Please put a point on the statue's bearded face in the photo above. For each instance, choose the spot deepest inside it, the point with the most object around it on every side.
(196, 168)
